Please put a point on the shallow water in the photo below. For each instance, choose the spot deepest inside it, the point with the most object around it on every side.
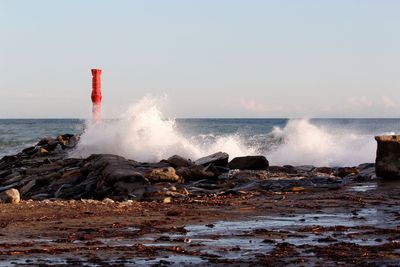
(240, 240)
(362, 187)
(235, 239)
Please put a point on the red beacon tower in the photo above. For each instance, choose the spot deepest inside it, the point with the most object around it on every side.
(96, 95)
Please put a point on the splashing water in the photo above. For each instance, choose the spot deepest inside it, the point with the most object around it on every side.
(305, 143)
(142, 134)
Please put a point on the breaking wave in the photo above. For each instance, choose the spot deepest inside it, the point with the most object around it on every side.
(142, 134)
(302, 142)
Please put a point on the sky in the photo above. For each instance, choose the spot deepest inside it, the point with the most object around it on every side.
(224, 59)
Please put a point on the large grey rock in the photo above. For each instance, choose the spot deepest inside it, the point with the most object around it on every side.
(249, 163)
(217, 159)
(387, 163)
(10, 196)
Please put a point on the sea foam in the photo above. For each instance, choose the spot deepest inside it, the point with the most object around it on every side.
(306, 143)
(142, 134)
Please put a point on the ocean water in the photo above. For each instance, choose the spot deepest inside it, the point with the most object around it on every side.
(146, 136)
(17, 134)
(143, 133)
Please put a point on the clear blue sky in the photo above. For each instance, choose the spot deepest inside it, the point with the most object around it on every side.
(211, 58)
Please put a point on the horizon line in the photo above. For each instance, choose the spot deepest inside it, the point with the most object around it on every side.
(207, 118)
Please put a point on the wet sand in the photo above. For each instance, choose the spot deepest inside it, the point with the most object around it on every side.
(354, 225)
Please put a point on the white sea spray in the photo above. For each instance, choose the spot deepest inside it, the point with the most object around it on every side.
(142, 134)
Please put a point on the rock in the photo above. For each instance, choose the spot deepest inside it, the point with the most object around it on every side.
(387, 163)
(365, 166)
(366, 174)
(23, 190)
(6, 187)
(195, 173)
(325, 170)
(48, 143)
(42, 152)
(250, 175)
(343, 172)
(249, 163)
(304, 168)
(61, 140)
(67, 136)
(123, 191)
(42, 196)
(30, 150)
(167, 200)
(163, 175)
(5, 173)
(44, 141)
(218, 159)
(72, 142)
(66, 190)
(108, 201)
(10, 196)
(297, 189)
(58, 149)
(282, 169)
(111, 176)
(178, 161)
(44, 169)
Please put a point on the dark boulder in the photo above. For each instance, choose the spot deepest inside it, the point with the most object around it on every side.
(178, 161)
(249, 163)
(217, 159)
(304, 168)
(343, 172)
(112, 176)
(288, 169)
(196, 172)
(387, 163)
(325, 170)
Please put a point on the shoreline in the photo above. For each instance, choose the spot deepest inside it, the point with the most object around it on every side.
(109, 210)
(195, 231)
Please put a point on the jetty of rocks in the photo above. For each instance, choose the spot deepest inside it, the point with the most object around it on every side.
(45, 171)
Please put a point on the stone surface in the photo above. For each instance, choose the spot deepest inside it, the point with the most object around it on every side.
(195, 173)
(387, 163)
(52, 175)
(249, 163)
(178, 161)
(218, 159)
(342, 172)
(163, 175)
(10, 196)
(112, 176)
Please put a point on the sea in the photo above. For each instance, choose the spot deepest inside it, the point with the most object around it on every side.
(146, 135)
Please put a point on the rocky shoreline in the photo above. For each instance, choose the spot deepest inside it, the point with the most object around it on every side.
(106, 210)
(45, 171)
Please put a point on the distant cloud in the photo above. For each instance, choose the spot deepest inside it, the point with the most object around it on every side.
(388, 102)
(360, 102)
(257, 108)
(252, 105)
(381, 105)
